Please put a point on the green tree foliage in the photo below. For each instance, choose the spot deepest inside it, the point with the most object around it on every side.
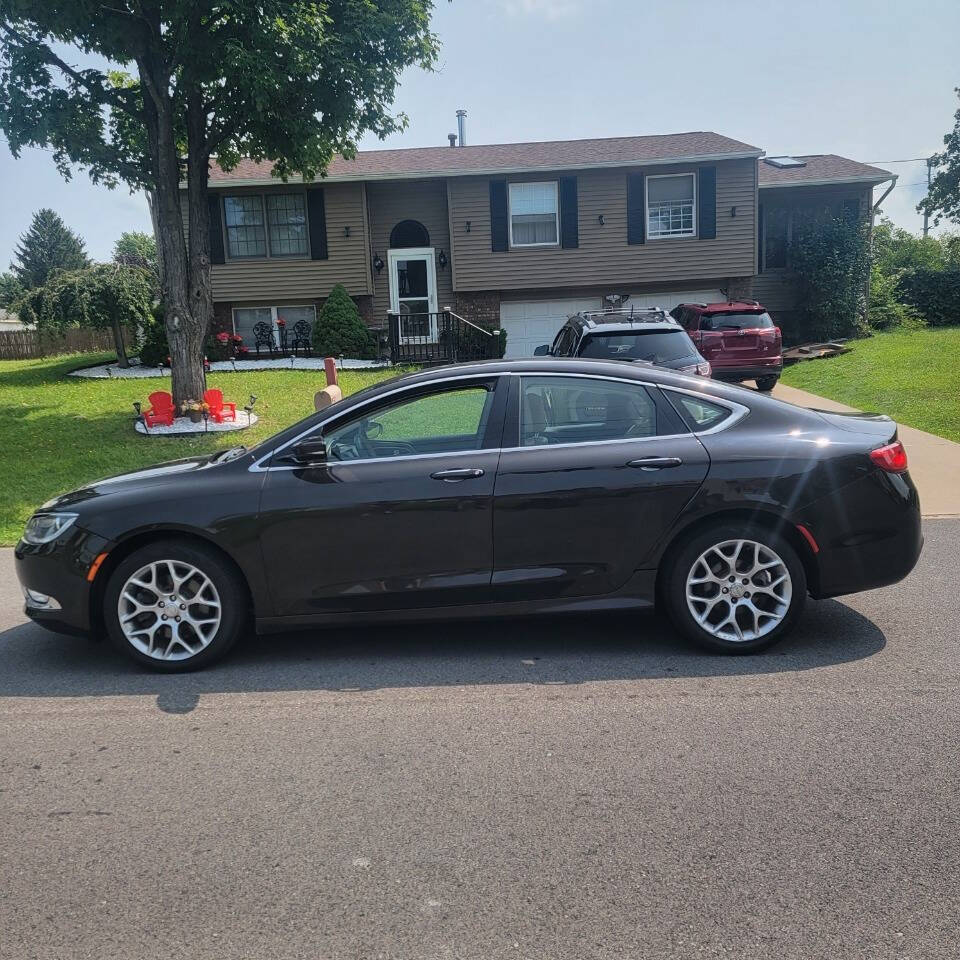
(942, 201)
(10, 291)
(153, 347)
(288, 81)
(831, 259)
(934, 293)
(888, 308)
(136, 249)
(103, 297)
(48, 245)
(339, 331)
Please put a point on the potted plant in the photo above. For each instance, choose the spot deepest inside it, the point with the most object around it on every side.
(194, 409)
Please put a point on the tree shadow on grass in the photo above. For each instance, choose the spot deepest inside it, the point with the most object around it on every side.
(547, 651)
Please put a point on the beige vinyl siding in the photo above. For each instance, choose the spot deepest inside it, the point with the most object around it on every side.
(604, 257)
(390, 203)
(777, 288)
(302, 280)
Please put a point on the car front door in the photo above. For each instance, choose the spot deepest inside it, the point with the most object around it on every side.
(398, 514)
(593, 473)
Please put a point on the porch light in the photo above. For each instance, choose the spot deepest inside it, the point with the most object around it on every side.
(346, 231)
(468, 226)
(377, 262)
(442, 259)
(600, 219)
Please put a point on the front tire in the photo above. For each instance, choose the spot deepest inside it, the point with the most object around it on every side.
(766, 384)
(174, 606)
(735, 588)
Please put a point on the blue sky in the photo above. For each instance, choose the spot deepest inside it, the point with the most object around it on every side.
(869, 80)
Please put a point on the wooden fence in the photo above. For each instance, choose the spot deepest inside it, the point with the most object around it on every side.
(28, 344)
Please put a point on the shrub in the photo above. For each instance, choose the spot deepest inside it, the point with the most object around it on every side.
(339, 331)
(154, 349)
(218, 346)
(887, 306)
(934, 293)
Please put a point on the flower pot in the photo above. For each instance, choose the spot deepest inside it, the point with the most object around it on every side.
(195, 416)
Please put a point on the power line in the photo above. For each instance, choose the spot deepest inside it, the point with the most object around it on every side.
(908, 160)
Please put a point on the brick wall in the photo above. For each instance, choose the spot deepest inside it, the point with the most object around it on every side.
(222, 318)
(481, 308)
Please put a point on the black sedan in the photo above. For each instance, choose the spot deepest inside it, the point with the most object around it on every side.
(496, 488)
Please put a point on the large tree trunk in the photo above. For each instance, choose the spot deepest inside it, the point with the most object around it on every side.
(185, 328)
(122, 360)
(198, 171)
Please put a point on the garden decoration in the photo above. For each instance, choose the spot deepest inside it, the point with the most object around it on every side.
(194, 410)
(217, 407)
(282, 331)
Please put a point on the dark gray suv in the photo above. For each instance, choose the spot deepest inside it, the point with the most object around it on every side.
(648, 335)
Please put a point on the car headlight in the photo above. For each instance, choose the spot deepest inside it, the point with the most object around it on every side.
(44, 527)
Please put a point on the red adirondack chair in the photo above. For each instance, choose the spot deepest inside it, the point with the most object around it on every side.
(161, 410)
(220, 409)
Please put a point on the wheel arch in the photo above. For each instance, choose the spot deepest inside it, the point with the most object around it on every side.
(141, 538)
(768, 519)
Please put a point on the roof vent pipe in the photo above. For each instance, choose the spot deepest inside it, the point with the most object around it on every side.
(462, 126)
(452, 137)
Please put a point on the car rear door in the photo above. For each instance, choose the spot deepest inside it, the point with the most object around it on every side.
(399, 515)
(593, 473)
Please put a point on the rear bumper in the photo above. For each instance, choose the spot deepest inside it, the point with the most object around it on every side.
(58, 570)
(747, 371)
(869, 534)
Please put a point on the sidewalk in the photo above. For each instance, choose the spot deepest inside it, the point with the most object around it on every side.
(934, 462)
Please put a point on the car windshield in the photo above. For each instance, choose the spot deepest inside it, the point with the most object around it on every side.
(736, 321)
(657, 346)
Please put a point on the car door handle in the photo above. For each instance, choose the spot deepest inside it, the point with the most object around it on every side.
(655, 463)
(461, 473)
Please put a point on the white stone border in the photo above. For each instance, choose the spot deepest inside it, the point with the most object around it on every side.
(110, 371)
(184, 425)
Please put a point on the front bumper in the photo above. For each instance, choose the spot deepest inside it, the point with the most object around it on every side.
(58, 570)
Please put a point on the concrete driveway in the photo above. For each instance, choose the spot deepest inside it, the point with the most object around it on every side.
(934, 461)
(574, 788)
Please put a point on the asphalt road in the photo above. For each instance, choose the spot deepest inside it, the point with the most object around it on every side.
(575, 788)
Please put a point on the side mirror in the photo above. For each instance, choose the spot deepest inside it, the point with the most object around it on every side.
(542, 351)
(310, 451)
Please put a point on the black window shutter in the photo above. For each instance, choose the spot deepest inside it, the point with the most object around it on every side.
(568, 212)
(216, 229)
(498, 215)
(317, 218)
(707, 204)
(636, 209)
(760, 238)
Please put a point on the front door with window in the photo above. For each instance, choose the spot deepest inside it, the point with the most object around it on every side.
(413, 293)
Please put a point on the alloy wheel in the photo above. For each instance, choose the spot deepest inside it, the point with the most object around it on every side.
(739, 590)
(169, 610)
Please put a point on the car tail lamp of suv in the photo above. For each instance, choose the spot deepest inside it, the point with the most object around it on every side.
(891, 457)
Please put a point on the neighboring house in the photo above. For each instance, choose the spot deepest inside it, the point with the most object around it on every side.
(516, 236)
(9, 321)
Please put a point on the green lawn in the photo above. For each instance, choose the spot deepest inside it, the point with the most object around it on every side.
(58, 432)
(913, 377)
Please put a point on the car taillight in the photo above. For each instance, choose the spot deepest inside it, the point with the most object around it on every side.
(892, 457)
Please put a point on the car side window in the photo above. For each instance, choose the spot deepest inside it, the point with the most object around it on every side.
(699, 414)
(441, 422)
(560, 409)
(561, 345)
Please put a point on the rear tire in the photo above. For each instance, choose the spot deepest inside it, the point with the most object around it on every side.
(766, 384)
(735, 588)
(174, 606)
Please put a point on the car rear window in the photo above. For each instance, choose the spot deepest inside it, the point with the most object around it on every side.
(736, 321)
(657, 346)
(698, 413)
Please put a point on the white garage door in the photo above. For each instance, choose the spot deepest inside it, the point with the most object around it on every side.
(530, 323)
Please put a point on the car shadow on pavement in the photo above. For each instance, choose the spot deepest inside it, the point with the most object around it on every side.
(555, 650)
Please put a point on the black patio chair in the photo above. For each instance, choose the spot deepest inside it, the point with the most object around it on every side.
(263, 336)
(301, 336)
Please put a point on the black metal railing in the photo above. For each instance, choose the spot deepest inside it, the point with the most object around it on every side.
(441, 337)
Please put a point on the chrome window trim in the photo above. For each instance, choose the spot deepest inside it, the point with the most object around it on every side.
(738, 412)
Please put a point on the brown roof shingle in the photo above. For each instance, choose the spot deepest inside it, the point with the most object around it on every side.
(818, 167)
(505, 157)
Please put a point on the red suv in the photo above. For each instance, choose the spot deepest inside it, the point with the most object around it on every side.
(738, 338)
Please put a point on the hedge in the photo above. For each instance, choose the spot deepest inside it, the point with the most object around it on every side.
(935, 293)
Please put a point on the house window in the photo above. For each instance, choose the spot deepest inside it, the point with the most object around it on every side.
(533, 214)
(287, 219)
(273, 225)
(246, 318)
(776, 237)
(246, 233)
(671, 201)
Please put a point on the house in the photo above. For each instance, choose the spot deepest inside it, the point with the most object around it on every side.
(517, 236)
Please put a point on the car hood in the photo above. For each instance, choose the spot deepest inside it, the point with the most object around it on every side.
(134, 479)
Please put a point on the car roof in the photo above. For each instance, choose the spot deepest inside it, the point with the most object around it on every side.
(730, 306)
(624, 319)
